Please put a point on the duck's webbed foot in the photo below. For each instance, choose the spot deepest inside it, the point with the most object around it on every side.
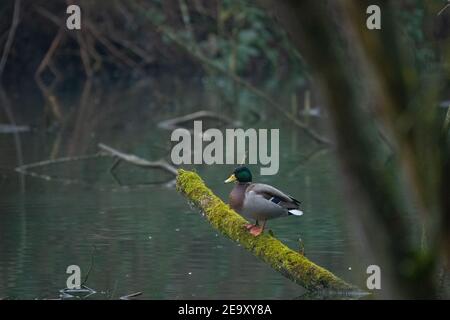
(256, 230)
(249, 226)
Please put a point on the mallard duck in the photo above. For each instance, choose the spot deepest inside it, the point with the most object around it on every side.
(259, 201)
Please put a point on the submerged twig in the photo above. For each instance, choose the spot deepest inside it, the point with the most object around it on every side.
(111, 295)
(444, 8)
(4, 101)
(25, 169)
(131, 295)
(106, 151)
(91, 266)
(137, 161)
(12, 128)
(177, 122)
(67, 293)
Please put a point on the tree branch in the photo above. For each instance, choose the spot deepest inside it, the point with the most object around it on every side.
(137, 161)
(12, 33)
(198, 56)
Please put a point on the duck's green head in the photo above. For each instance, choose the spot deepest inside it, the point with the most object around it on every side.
(240, 174)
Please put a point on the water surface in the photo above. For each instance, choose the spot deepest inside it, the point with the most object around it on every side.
(146, 238)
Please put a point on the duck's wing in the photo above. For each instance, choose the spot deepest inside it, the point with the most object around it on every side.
(274, 195)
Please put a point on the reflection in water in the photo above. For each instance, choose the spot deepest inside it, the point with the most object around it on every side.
(148, 239)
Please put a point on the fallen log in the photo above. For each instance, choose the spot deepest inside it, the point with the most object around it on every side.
(289, 263)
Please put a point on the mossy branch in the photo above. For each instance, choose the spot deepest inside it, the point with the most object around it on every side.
(291, 264)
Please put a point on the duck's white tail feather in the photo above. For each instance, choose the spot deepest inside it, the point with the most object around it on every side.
(295, 212)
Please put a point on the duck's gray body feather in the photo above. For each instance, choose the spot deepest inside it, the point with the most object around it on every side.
(264, 202)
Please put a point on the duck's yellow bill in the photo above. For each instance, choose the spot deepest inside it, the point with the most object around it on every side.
(232, 178)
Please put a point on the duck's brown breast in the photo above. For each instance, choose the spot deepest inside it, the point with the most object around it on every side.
(237, 196)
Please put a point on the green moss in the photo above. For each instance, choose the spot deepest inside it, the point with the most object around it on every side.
(286, 261)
